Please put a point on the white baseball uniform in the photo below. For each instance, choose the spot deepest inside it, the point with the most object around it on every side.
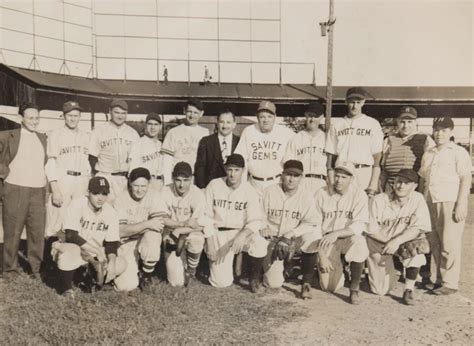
(356, 140)
(145, 246)
(335, 212)
(68, 165)
(387, 221)
(111, 145)
(297, 214)
(231, 211)
(146, 152)
(263, 154)
(182, 208)
(310, 151)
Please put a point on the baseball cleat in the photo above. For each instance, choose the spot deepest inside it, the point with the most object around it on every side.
(354, 298)
(145, 282)
(306, 291)
(444, 291)
(408, 298)
(255, 286)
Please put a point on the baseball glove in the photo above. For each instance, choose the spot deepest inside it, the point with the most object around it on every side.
(284, 249)
(180, 243)
(413, 247)
(100, 269)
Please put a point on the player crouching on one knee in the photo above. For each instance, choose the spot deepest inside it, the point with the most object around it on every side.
(398, 223)
(234, 219)
(91, 235)
(140, 231)
(343, 213)
(291, 226)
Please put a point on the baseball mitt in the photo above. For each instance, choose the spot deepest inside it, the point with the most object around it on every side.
(414, 247)
(180, 243)
(100, 269)
(284, 249)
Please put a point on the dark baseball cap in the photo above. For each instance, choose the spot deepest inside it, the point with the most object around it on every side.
(139, 172)
(70, 106)
(119, 103)
(235, 160)
(182, 169)
(293, 167)
(358, 93)
(196, 103)
(99, 185)
(315, 108)
(408, 174)
(26, 105)
(267, 106)
(407, 112)
(443, 122)
(153, 116)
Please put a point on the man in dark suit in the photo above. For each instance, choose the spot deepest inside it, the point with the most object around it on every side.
(22, 176)
(214, 149)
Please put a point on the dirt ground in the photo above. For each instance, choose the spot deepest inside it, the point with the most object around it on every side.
(384, 320)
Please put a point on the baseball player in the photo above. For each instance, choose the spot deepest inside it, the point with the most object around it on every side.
(236, 216)
(91, 232)
(356, 138)
(262, 146)
(307, 146)
(396, 218)
(181, 205)
(146, 152)
(140, 231)
(181, 142)
(403, 149)
(68, 169)
(109, 148)
(291, 216)
(343, 214)
(446, 181)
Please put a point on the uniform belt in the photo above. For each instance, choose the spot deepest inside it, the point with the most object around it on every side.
(74, 173)
(123, 174)
(157, 177)
(225, 229)
(361, 165)
(319, 176)
(266, 179)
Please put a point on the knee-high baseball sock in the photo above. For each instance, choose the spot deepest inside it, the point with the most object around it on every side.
(411, 275)
(308, 262)
(148, 267)
(192, 260)
(255, 268)
(65, 280)
(356, 272)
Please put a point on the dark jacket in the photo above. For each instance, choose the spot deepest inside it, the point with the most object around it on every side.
(209, 164)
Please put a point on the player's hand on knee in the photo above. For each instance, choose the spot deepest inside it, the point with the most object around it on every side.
(266, 232)
(391, 247)
(193, 223)
(57, 198)
(324, 264)
(239, 242)
(155, 224)
(328, 240)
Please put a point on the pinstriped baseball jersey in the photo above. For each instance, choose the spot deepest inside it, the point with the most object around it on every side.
(309, 150)
(145, 152)
(111, 145)
(238, 209)
(388, 219)
(181, 208)
(295, 213)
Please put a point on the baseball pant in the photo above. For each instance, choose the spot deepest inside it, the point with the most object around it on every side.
(222, 274)
(354, 249)
(363, 176)
(71, 187)
(117, 184)
(175, 266)
(313, 184)
(23, 206)
(147, 248)
(446, 244)
(382, 273)
(306, 243)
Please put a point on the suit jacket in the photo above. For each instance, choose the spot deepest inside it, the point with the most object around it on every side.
(209, 164)
(9, 143)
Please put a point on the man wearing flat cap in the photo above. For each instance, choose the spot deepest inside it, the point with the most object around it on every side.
(146, 152)
(307, 146)
(262, 146)
(356, 138)
(22, 174)
(110, 146)
(181, 142)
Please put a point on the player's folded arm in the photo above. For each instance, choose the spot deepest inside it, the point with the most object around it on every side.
(111, 247)
(73, 237)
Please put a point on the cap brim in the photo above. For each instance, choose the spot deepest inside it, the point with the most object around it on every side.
(265, 110)
(71, 109)
(293, 171)
(344, 169)
(356, 96)
(101, 190)
(407, 116)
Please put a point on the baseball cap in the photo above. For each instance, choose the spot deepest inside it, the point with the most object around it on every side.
(153, 116)
(235, 160)
(315, 108)
(293, 166)
(196, 103)
(119, 103)
(267, 106)
(139, 172)
(99, 185)
(345, 166)
(407, 112)
(408, 174)
(182, 169)
(358, 93)
(26, 105)
(71, 105)
(443, 122)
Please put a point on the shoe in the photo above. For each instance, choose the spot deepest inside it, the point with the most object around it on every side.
(444, 291)
(68, 294)
(408, 297)
(354, 298)
(145, 282)
(189, 278)
(430, 286)
(255, 286)
(306, 291)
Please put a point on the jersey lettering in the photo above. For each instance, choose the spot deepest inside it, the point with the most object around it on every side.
(392, 222)
(226, 204)
(337, 214)
(150, 157)
(350, 131)
(309, 150)
(288, 214)
(114, 141)
(93, 226)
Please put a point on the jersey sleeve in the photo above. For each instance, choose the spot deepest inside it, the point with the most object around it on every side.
(331, 141)
(112, 233)
(52, 145)
(121, 209)
(134, 156)
(168, 146)
(308, 223)
(360, 214)
(377, 138)
(385, 151)
(199, 204)
(72, 218)
(94, 146)
(290, 150)
(463, 162)
(375, 208)
(421, 216)
(242, 146)
(254, 215)
(423, 172)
